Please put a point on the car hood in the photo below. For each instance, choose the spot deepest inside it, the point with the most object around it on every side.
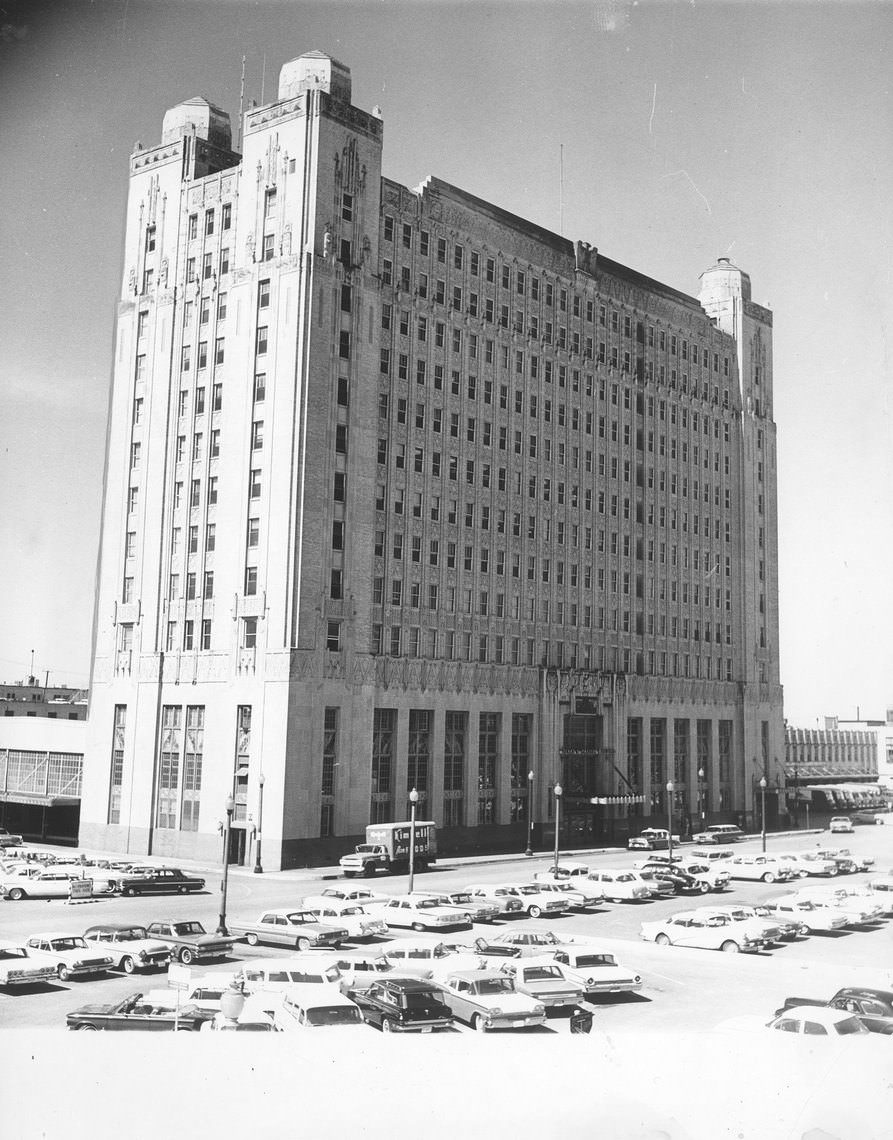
(508, 1003)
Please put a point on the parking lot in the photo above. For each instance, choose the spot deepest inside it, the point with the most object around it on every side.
(682, 989)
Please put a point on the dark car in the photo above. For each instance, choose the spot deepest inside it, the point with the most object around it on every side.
(160, 881)
(403, 1005)
(136, 1012)
(874, 1008)
(190, 941)
(678, 879)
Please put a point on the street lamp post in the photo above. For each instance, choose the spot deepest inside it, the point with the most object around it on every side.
(763, 810)
(413, 800)
(258, 866)
(671, 787)
(701, 811)
(557, 790)
(529, 850)
(221, 925)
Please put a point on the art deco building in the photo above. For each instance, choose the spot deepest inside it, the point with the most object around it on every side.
(405, 491)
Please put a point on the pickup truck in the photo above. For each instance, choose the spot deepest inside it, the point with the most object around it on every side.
(403, 1005)
(874, 1008)
(387, 849)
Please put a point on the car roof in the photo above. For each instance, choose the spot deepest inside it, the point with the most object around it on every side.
(410, 944)
(817, 1013)
(408, 984)
(57, 934)
(113, 927)
(310, 996)
(475, 975)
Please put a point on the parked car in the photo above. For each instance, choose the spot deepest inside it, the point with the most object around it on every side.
(651, 839)
(8, 839)
(812, 1020)
(665, 881)
(317, 1007)
(203, 992)
(713, 856)
(858, 911)
(131, 947)
(762, 929)
(845, 864)
(874, 1008)
(702, 931)
(759, 867)
(419, 914)
(39, 884)
(509, 904)
(161, 881)
(354, 918)
(286, 926)
(596, 970)
(277, 975)
(477, 911)
(360, 968)
(403, 1005)
(534, 901)
(18, 966)
(862, 862)
(74, 958)
(714, 872)
(487, 999)
(815, 864)
(574, 877)
(841, 823)
(573, 897)
(544, 980)
(360, 895)
(871, 817)
(134, 1012)
(811, 916)
(480, 909)
(621, 885)
(720, 833)
(795, 862)
(190, 941)
(518, 944)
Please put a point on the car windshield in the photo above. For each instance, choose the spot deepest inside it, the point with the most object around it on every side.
(68, 944)
(423, 1001)
(528, 890)
(624, 878)
(547, 938)
(8, 952)
(352, 910)
(132, 934)
(461, 897)
(584, 960)
(300, 916)
(304, 976)
(542, 973)
(334, 1015)
(427, 904)
(188, 928)
(495, 986)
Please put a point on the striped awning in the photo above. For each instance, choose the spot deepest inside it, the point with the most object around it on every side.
(617, 800)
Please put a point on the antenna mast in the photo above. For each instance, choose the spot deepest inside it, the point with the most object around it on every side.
(263, 79)
(561, 190)
(241, 104)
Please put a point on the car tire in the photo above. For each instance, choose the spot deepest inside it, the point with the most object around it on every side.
(662, 940)
(730, 947)
(417, 926)
(386, 1025)
(478, 1024)
(186, 956)
(128, 892)
(88, 1025)
(16, 894)
(805, 929)
(251, 938)
(302, 944)
(127, 964)
(704, 887)
(181, 890)
(833, 871)
(768, 877)
(64, 973)
(534, 911)
(369, 872)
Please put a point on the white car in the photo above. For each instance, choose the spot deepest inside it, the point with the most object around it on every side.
(519, 944)
(409, 956)
(763, 868)
(714, 874)
(841, 823)
(487, 999)
(19, 968)
(280, 974)
(42, 883)
(596, 970)
(762, 930)
(508, 903)
(477, 910)
(816, 864)
(621, 886)
(310, 1007)
(481, 910)
(419, 914)
(355, 919)
(74, 957)
(591, 892)
(572, 896)
(130, 946)
(858, 911)
(810, 915)
(202, 992)
(544, 980)
(816, 1021)
(702, 931)
(534, 901)
(362, 896)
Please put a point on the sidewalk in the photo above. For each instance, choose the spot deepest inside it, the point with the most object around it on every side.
(317, 874)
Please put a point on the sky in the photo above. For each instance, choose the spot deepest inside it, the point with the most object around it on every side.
(666, 134)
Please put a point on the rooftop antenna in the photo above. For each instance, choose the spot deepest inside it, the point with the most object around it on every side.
(561, 189)
(241, 105)
(263, 79)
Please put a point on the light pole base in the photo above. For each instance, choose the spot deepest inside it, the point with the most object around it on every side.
(528, 852)
(258, 870)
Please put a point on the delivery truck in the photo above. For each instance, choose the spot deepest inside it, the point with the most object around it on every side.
(387, 848)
